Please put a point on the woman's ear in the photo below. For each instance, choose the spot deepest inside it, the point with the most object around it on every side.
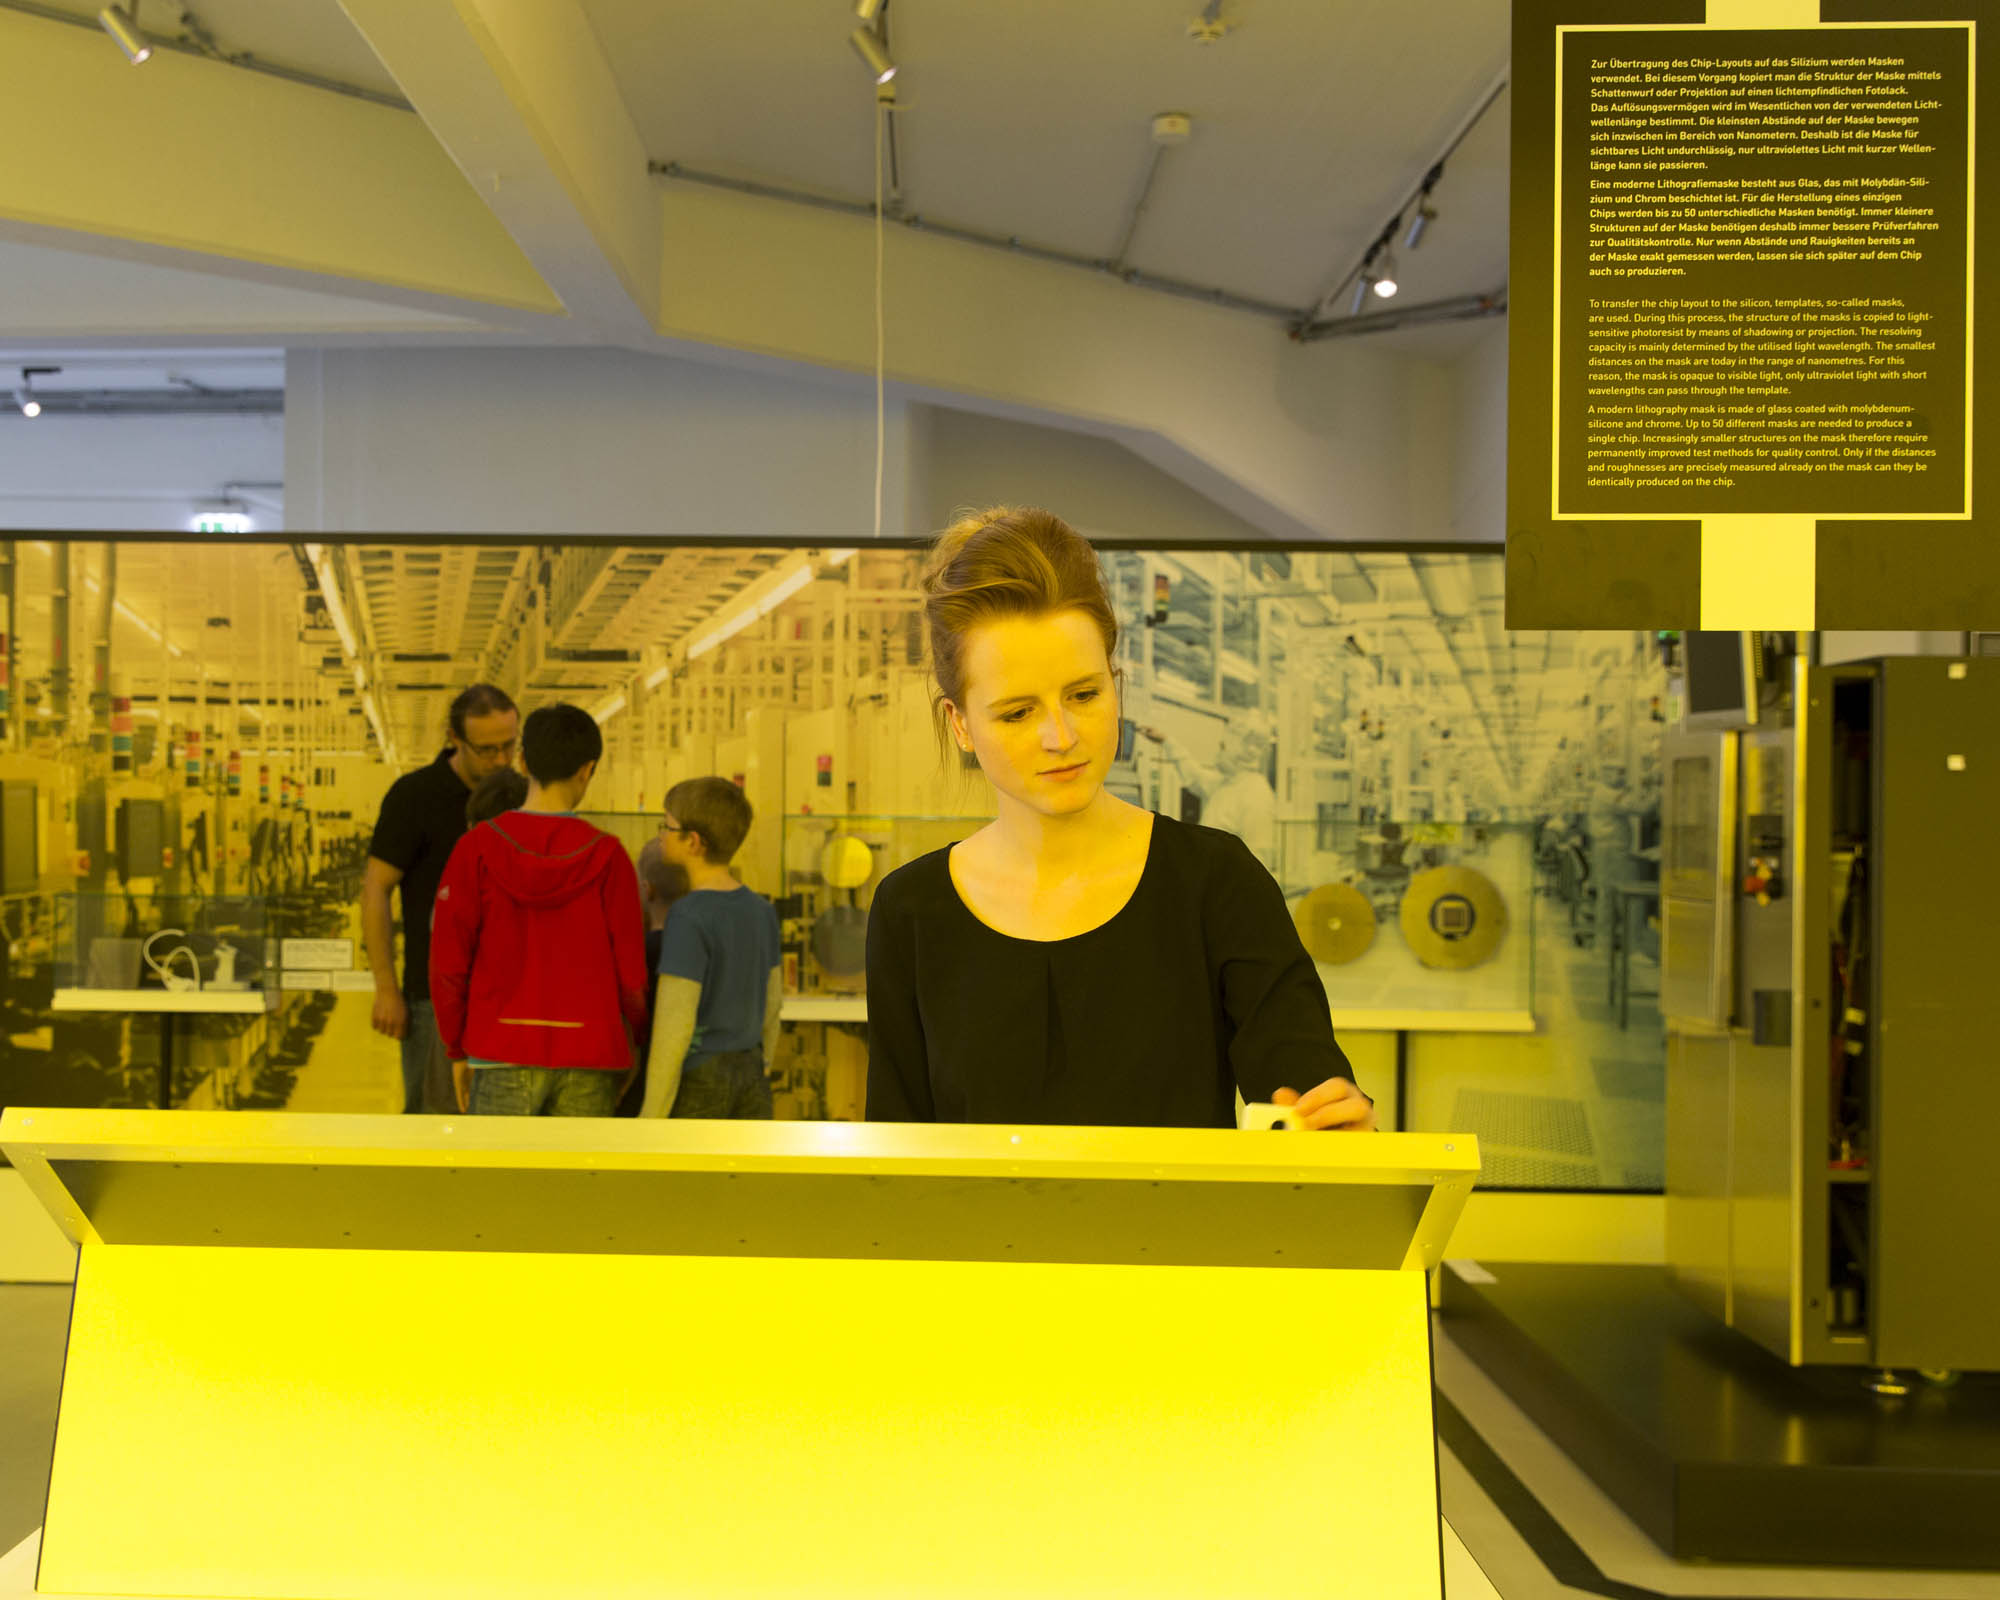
(961, 736)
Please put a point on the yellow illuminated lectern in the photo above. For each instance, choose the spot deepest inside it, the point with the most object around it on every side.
(318, 1356)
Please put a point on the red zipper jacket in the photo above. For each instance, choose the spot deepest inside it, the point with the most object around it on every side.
(538, 947)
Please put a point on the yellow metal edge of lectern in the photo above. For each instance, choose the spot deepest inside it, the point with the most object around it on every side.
(254, 1421)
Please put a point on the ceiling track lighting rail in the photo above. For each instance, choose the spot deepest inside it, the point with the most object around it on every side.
(1373, 276)
(1169, 128)
(149, 403)
(1103, 266)
(204, 48)
(1460, 308)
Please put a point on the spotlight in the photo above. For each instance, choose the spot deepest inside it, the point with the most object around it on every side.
(1426, 212)
(872, 51)
(124, 28)
(1385, 283)
(1361, 287)
(1420, 224)
(24, 396)
(869, 10)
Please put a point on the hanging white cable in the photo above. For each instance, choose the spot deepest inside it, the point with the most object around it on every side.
(881, 122)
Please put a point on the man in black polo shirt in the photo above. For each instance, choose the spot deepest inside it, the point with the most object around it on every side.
(423, 816)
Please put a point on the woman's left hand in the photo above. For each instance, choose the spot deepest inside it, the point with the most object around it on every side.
(1334, 1104)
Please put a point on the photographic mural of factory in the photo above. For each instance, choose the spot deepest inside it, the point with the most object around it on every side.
(1463, 819)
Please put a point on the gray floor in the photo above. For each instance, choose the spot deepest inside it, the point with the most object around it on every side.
(34, 1320)
(1575, 1528)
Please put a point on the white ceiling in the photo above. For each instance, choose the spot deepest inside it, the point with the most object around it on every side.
(58, 293)
(1313, 122)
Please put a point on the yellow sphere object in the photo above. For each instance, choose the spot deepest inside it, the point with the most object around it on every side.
(846, 863)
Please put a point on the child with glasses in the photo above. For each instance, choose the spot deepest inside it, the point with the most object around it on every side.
(715, 1015)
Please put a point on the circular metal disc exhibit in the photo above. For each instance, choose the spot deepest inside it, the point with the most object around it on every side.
(846, 862)
(1336, 924)
(840, 940)
(1453, 917)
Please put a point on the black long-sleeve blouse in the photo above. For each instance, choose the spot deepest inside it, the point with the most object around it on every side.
(1199, 986)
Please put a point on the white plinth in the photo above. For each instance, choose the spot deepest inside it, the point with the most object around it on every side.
(823, 1008)
(212, 1002)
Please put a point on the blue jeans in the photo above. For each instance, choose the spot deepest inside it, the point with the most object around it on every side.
(730, 1084)
(426, 1074)
(544, 1091)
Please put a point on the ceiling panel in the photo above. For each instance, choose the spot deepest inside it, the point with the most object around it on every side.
(1312, 122)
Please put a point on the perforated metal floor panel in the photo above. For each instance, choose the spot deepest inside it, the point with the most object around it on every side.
(1502, 1170)
(1533, 1122)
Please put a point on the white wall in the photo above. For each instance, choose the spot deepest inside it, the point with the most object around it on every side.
(537, 441)
(1478, 457)
(965, 460)
(1835, 648)
(133, 473)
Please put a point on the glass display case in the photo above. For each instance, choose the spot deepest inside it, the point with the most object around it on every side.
(114, 944)
(831, 865)
(1400, 917)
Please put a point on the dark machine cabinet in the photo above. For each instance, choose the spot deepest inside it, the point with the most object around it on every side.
(1832, 997)
(20, 837)
(1934, 1020)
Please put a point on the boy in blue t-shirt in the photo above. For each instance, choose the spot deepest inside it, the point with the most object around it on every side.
(715, 1019)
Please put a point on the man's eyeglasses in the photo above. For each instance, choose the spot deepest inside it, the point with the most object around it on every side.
(493, 752)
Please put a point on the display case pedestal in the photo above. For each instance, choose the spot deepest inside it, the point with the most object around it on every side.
(166, 1004)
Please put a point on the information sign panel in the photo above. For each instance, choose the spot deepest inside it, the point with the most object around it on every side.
(1743, 344)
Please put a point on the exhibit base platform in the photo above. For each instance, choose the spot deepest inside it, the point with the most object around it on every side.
(1463, 1579)
(1716, 1448)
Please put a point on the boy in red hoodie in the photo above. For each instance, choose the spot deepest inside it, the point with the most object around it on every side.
(538, 949)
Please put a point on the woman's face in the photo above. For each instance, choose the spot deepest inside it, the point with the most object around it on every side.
(1041, 711)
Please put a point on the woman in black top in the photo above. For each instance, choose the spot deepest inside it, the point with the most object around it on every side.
(1078, 959)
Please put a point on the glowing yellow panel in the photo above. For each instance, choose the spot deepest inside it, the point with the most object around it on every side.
(1759, 572)
(309, 1423)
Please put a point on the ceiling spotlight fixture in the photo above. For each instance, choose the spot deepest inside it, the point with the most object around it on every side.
(872, 50)
(869, 10)
(1362, 285)
(1385, 283)
(1426, 213)
(123, 26)
(24, 396)
(1420, 223)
